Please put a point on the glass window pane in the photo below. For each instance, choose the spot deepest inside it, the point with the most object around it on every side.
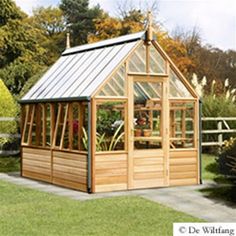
(157, 63)
(83, 142)
(177, 88)
(36, 138)
(75, 126)
(28, 119)
(182, 125)
(110, 126)
(137, 62)
(66, 137)
(147, 90)
(60, 120)
(48, 125)
(147, 115)
(41, 122)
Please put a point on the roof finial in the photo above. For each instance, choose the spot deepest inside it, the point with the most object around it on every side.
(67, 40)
(149, 27)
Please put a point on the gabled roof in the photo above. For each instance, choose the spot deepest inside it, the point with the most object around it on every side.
(80, 70)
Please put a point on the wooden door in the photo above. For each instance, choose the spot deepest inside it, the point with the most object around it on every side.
(148, 136)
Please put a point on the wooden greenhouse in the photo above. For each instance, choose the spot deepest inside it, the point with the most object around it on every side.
(112, 115)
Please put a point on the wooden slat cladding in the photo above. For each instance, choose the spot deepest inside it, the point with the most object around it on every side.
(70, 170)
(110, 172)
(36, 164)
(183, 167)
(63, 168)
(70, 184)
(148, 169)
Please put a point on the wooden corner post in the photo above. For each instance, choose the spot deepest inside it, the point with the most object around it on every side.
(166, 127)
(92, 145)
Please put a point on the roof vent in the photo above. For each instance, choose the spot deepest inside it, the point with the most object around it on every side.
(149, 37)
(67, 40)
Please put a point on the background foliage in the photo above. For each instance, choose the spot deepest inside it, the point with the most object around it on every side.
(29, 44)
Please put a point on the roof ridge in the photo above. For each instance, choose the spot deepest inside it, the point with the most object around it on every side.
(105, 43)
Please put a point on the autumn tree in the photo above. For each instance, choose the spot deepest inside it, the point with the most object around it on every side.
(110, 27)
(177, 51)
(105, 27)
(132, 22)
(206, 60)
(216, 64)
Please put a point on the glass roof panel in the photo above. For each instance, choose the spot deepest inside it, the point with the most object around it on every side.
(177, 88)
(115, 85)
(137, 62)
(157, 62)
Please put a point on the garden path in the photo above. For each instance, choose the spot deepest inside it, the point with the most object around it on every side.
(187, 199)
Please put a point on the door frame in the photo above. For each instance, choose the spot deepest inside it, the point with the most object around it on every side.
(165, 123)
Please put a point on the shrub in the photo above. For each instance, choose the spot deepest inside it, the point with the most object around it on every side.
(227, 159)
(8, 108)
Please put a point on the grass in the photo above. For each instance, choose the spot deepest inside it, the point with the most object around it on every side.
(25, 212)
(9, 164)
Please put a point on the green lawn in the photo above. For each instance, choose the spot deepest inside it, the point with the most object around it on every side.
(9, 164)
(29, 212)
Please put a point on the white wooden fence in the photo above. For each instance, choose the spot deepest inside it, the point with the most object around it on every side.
(223, 128)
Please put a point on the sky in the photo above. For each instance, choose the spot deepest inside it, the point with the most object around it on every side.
(215, 19)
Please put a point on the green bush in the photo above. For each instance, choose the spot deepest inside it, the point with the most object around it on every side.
(227, 159)
(8, 108)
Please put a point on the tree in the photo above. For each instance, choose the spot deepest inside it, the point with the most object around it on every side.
(177, 51)
(204, 60)
(50, 20)
(110, 27)
(124, 7)
(51, 27)
(21, 56)
(9, 10)
(106, 27)
(190, 38)
(79, 19)
(132, 22)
